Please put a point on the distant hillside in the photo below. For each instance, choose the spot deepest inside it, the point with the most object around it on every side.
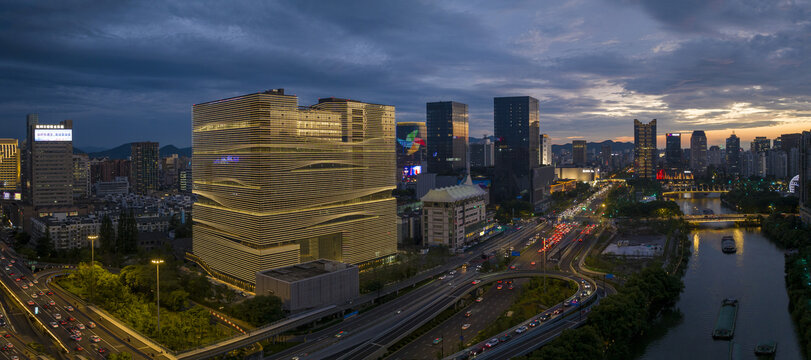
(123, 151)
(596, 147)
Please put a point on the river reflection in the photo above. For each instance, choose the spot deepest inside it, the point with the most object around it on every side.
(754, 275)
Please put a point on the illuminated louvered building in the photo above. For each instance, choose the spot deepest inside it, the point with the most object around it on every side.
(278, 184)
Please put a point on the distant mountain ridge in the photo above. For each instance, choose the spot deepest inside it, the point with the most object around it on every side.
(123, 151)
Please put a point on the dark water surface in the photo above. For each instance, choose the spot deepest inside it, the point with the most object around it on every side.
(754, 275)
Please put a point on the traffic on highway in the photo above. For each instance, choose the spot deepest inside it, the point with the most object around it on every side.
(75, 331)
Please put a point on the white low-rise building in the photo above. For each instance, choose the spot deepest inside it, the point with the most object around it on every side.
(454, 216)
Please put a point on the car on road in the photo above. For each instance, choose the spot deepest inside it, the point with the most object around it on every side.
(54, 324)
(17, 279)
(36, 281)
(71, 318)
(40, 293)
(52, 303)
(545, 317)
(465, 326)
(24, 286)
(49, 292)
(8, 346)
(91, 324)
(6, 335)
(532, 263)
(499, 287)
(79, 348)
(521, 330)
(30, 302)
(534, 323)
(468, 313)
(94, 338)
(510, 287)
(512, 267)
(102, 350)
(340, 334)
(505, 338)
(567, 303)
(69, 308)
(557, 311)
(491, 343)
(63, 322)
(80, 326)
(476, 281)
(479, 299)
(57, 316)
(76, 337)
(437, 340)
(584, 294)
(34, 295)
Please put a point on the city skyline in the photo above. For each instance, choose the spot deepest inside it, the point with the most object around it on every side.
(131, 73)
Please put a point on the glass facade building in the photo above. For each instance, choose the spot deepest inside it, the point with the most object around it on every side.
(516, 128)
(733, 155)
(447, 123)
(673, 153)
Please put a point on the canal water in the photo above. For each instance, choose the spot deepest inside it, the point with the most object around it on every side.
(754, 275)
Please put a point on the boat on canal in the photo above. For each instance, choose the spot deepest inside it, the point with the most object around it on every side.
(728, 244)
(725, 325)
(766, 349)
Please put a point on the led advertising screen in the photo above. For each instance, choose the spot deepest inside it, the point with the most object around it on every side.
(412, 170)
(53, 135)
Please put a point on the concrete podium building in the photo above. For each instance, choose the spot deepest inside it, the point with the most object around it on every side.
(310, 285)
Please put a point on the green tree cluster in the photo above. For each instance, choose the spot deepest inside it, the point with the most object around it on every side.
(45, 246)
(622, 202)
(513, 208)
(179, 329)
(127, 235)
(258, 310)
(798, 286)
(613, 325)
(786, 231)
(760, 201)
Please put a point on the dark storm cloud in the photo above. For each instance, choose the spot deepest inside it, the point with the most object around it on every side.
(127, 71)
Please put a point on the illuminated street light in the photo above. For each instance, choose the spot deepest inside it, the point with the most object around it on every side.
(157, 263)
(92, 239)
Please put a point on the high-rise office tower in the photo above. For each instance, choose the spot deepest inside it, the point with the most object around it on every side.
(411, 150)
(9, 166)
(447, 123)
(777, 144)
(81, 176)
(698, 151)
(805, 177)
(546, 150)
(733, 155)
(645, 149)
(791, 145)
(760, 144)
(673, 153)
(516, 121)
(278, 184)
(715, 156)
(482, 153)
(579, 153)
(144, 164)
(605, 155)
(48, 175)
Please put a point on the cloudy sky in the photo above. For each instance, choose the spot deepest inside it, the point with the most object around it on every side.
(130, 70)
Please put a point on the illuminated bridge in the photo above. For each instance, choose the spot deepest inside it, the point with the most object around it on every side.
(705, 189)
(723, 218)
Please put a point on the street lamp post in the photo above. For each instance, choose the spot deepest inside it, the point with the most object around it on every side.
(157, 263)
(92, 239)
